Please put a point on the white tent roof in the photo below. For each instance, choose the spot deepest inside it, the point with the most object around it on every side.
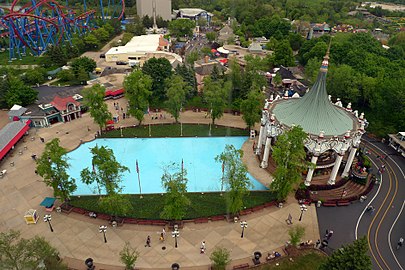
(222, 50)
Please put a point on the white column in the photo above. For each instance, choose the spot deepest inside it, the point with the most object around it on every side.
(260, 141)
(332, 178)
(314, 159)
(266, 153)
(349, 162)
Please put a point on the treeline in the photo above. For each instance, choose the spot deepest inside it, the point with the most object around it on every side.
(364, 73)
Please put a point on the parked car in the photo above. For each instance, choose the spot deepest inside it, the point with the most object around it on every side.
(102, 55)
(121, 63)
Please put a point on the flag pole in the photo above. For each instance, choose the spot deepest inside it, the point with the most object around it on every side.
(182, 168)
(139, 179)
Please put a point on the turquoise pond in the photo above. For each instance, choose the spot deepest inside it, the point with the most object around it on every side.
(153, 154)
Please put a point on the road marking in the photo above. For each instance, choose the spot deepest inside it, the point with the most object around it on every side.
(389, 235)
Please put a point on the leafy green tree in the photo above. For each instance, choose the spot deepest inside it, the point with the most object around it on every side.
(192, 57)
(94, 100)
(211, 36)
(159, 69)
(289, 155)
(295, 40)
(34, 76)
(91, 42)
(252, 107)
(181, 28)
(283, 54)
(101, 34)
(176, 94)
(17, 253)
(188, 75)
(220, 257)
(175, 184)
(296, 233)
(235, 178)
(147, 21)
(312, 69)
(56, 55)
(116, 204)
(19, 93)
(216, 93)
(66, 75)
(353, 256)
(235, 77)
(52, 166)
(341, 83)
(106, 172)
(138, 88)
(398, 40)
(277, 80)
(128, 256)
(82, 76)
(84, 62)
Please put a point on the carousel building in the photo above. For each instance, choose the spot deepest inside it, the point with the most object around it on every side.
(334, 131)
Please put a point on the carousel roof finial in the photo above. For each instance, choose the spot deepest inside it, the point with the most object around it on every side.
(325, 62)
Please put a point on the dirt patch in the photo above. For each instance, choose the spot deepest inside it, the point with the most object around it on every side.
(3, 118)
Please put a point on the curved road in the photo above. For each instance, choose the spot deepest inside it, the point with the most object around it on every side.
(386, 225)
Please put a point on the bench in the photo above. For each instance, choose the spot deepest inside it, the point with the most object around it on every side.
(159, 222)
(269, 204)
(144, 222)
(241, 266)
(286, 251)
(201, 220)
(329, 204)
(343, 203)
(217, 218)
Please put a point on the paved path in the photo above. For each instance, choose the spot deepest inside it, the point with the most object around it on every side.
(77, 237)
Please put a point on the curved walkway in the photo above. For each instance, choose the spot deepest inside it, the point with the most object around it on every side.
(78, 238)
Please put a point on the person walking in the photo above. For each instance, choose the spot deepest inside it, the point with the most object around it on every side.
(148, 241)
(400, 243)
(202, 248)
(329, 235)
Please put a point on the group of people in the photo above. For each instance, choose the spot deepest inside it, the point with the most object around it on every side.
(273, 255)
(325, 241)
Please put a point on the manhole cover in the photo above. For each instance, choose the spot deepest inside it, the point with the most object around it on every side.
(163, 248)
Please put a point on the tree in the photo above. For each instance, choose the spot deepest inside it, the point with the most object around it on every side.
(34, 76)
(312, 69)
(128, 256)
(66, 75)
(82, 76)
(18, 253)
(296, 233)
(235, 178)
(159, 69)
(176, 95)
(216, 94)
(101, 34)
(252, 107)
(106, 172)
(192, 57)
(295, 41)
(353, 256)
(19, 93)
(188, 75)
(277, 80)
(52, 166)
(211, 36)
(91, 42)
(235, 78)
(342, 83)
(181, 27)
(94, 99)
(84, 62)
(175, 184)
(116, 204)
(138, 88)
(220, 257)
(289, 155)
(283, 54)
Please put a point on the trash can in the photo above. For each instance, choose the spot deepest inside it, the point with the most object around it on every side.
(318, 204)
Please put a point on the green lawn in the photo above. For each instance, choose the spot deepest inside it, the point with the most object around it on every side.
(310, 260)
(25, 60)
(174, 130)
(151, 205)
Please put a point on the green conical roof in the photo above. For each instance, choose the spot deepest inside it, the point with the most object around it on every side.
(314, 112)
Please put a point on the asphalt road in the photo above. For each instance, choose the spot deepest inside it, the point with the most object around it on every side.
(386, 224)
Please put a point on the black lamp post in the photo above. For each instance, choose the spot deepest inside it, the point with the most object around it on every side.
(243, 225)
(103, 229)
(303, 208)
(48, 218)
(175, 234)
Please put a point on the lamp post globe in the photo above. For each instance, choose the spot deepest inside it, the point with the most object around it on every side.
(103, 229)
(303, 208)
(48, 218)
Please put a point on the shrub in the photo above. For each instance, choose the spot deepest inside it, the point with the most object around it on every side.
(220, 258)
(296, 233)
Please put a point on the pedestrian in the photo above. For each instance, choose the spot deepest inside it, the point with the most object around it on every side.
(202, 248)
(164, 232)
(161, 238)
(400, 242)
(36, 172)
(318, 243)
(148, 241)
(42, 139)
(329, 234)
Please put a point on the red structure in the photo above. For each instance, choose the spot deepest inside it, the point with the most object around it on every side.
(11, 134)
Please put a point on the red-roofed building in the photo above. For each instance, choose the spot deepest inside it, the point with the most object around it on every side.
(68, 108)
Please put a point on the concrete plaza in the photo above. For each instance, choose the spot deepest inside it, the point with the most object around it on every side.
(77, 237)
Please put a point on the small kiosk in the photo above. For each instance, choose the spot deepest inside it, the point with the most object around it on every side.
(31, 216)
